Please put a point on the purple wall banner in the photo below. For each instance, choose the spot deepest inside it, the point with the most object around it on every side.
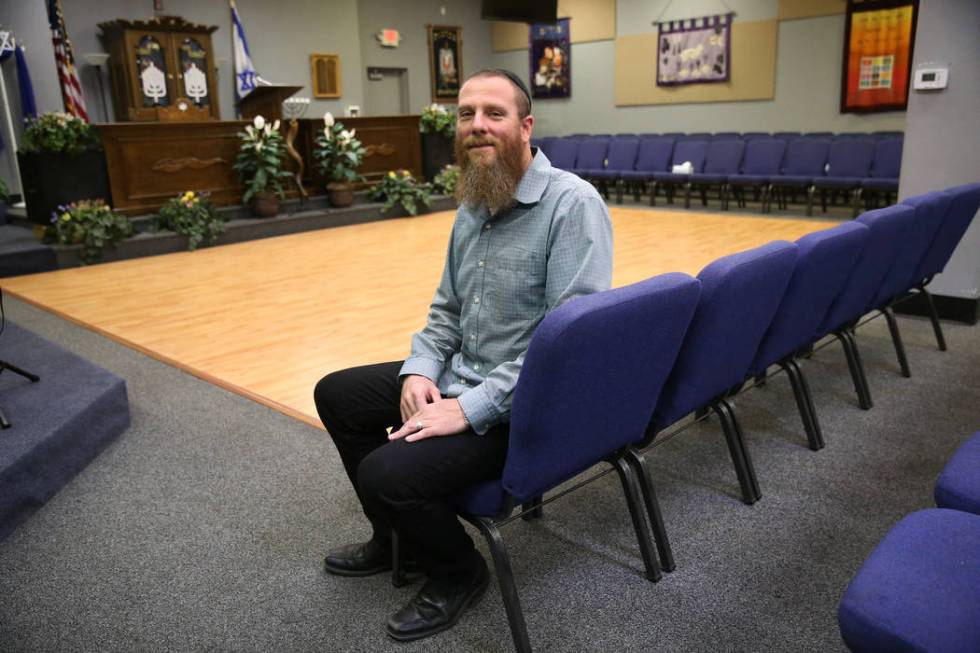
(551, 60)
(694, 50)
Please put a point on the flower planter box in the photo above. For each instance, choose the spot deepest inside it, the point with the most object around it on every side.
(437, 152)
(52, 179)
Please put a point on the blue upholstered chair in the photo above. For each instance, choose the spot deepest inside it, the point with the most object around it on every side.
(591, 156)
(751, 135)
(620, 158)
(888, 134)
(804, 160)
(919, 590)
(958, 486)
(590, 379)
(825, 261)
(685, 150)
(964, 201)
(653, 156)
(786, 136)
(763, 159)
(885, 169)
(818, 134)
(725, 136)
(739, 296)
(848, 164)
(724, 158)
(563, 151)
(889, 228)
(930, 213)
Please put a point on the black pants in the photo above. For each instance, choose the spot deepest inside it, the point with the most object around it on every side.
(406, 486)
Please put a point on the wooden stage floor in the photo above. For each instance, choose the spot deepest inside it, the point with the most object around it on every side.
(268, 318)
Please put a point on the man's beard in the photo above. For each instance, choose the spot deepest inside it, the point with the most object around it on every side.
(491, 184)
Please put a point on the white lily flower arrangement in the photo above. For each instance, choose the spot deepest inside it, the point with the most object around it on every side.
(260, 158)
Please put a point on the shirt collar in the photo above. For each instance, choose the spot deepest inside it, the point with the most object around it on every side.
(535, 180)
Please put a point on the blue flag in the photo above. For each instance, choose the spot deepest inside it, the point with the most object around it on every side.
(244, 70)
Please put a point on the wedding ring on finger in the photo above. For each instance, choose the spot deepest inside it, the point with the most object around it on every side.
(418, 425)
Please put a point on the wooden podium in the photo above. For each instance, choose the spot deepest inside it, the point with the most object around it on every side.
(266, 101)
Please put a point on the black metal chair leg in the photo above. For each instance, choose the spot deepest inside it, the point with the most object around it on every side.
(808, 396)
(856, 368)
(739, 454)
(934, 316)
(639, 517)
(656, 518)
(619, 191)
(794, 373)
(653, 193)
(505, 578)
(532, 509)
(687, 195)
(903, 361)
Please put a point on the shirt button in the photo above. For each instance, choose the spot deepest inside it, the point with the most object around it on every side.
(476, 299)
(472, 336)
(476, 367)
(480, 264)
(487, 227)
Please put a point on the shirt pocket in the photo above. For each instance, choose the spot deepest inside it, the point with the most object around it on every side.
(518, 286)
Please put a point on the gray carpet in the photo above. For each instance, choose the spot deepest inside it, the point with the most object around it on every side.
(203, 526)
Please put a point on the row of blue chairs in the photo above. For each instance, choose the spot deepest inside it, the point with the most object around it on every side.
(772, 167)
(605, 374)
(919, 590)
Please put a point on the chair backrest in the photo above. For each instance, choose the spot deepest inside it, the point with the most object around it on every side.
(887, 161)
(963, 204)
(787, 135)
(591, 377)
(592, 153)
(763, 156)
(693, 151)
(696, 136)
(726, 136)
(724, 156)
(850, 157)
(888, 134)
(739, 296)
(818, 135)
(850, 135)
(825, 261)
(674, 135)
(930, 211)
(654, 154)
(748, 135)
(563, 152)
(622, 153)
(624, 135)
(806, 156)
(545, 144)
(887, 229)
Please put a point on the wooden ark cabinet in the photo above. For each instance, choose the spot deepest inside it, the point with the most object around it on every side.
(162, 69)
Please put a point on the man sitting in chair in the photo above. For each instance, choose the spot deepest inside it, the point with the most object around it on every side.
(526, 238)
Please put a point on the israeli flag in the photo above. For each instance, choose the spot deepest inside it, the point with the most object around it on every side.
(245, 75)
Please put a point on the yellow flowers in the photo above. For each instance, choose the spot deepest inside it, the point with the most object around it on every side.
(405, 173)
(391, 174)
(65, 217)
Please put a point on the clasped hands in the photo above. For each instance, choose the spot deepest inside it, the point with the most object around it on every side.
(425, 413)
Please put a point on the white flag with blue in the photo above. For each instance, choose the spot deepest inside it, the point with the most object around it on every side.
(245, 75)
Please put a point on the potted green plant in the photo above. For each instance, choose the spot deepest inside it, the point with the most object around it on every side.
(338, 156)
(400, 188)
(445, 182)
(61, 160)
(259, 165)
(438, 127)
(92, 224)
(191, 214)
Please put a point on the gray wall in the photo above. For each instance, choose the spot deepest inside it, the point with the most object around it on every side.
(807, 94)
(410, 19)
(942, 137)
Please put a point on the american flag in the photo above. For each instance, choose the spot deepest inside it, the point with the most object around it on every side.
(71, 89)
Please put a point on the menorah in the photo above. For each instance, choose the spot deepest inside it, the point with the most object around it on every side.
(292, 109)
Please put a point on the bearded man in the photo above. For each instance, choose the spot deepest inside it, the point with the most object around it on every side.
(527, 237)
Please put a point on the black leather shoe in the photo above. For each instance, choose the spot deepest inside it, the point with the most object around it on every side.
(365, 559)
(438, 606)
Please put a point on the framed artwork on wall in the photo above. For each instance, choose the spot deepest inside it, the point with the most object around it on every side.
(445, 62)
(325, 70)
(878, 39)
(551, 60)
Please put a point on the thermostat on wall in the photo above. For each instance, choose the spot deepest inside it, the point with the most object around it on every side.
(930, 79)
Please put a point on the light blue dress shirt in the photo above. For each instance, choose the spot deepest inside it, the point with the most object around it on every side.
(502, 275)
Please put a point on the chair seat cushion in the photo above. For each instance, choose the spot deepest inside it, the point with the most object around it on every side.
(919, 589)
(748, 180)
(880, 183)
(791, 180)
(708, 177)
(837, 182)
(482, 499)
(670, 177)
(958, 486)
(636, 174)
